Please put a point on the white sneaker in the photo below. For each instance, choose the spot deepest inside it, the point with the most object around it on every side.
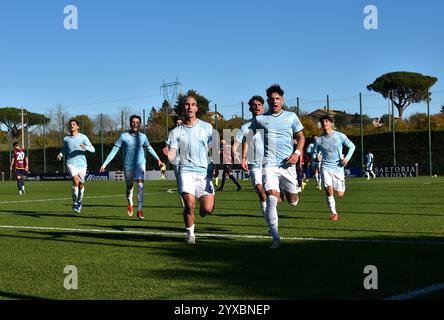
(191, 239)
(275, 244)
(20, 192)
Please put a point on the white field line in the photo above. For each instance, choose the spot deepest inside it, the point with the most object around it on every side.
(64, 199)
(220, 235)
(418, 293)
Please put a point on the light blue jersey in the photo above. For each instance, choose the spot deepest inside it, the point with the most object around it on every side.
(255, 154)
(278, 136)
(191, 143)
(132, 145)
(331, 149)
(168, 143)
(74, 154)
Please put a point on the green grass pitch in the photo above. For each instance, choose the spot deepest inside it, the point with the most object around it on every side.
(396, 225)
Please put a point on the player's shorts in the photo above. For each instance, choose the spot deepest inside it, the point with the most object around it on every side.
(195, 184)
(74, 171)
(281, 179)
(256, 176)
(134, 175)
(228, 169)
(369, 167)
(20, 172)
(333, 179)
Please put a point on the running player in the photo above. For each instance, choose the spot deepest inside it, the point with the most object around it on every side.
(328, 147)
(74, 149)
(255, 155)
(192, 141)
(228, 166)
(279, 158)
(315, 164)
(133, 143)
(19, 162)
(369, 158)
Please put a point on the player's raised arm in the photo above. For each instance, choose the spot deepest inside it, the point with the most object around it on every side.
(87, 145)
(112, 154)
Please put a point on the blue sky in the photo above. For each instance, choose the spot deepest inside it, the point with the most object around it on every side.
(227, 50)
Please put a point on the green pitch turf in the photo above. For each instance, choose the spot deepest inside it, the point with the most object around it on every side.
(396, 225)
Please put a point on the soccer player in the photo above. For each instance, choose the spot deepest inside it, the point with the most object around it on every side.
(279, 157)
(163, 171)
(315, 163)
(228, 167)
(19, 162)
(255, 156)
(74, 149)
(328, 147)
(133, 143)
(369, 158)
(192, 140)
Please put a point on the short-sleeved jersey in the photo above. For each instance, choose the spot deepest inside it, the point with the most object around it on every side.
(278, 135)
(331, 148)
(132, 145)
(255, 153)
(19, 159)
(168, 142)
(191, 143)
(72, 151)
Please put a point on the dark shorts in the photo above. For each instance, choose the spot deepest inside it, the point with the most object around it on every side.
(228, 169)
(20, 172)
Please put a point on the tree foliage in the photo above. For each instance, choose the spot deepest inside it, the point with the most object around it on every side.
(407, 87)
(203, 103)
(11, 120)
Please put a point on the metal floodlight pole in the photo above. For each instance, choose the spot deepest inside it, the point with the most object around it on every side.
(328, 103)
(362, 130)
(44, 144)
(23, 130)
(101, 136)
(393, 130)
(430, 134)
(63, 127)
(215, 116)
(243, 114)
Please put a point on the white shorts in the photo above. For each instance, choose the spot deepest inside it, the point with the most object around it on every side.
(74, 171)
(281, 178)
(256, 176)
(134, 175)
(333, 179)
(369, 168)
(195, 184)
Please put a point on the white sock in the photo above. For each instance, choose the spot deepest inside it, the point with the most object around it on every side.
(272, 216)
(129, 195)
(74, 193)
(140, 196)
(81, 192)
(190, 231)
(332, 204)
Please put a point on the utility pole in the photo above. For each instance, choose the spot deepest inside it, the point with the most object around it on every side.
(362, 130)
(23, 130)
(430, 134)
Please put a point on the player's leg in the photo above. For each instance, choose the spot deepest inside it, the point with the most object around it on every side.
(177, 175)
(187, 188)
(288, 183)
(256, 179)
(19, 182)
(271, 183)
(75, 192)
(81, 175)
(224, 178)
(327, 181)
(205, 193)
(233, 178)
(129, 182)
(140, 177)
